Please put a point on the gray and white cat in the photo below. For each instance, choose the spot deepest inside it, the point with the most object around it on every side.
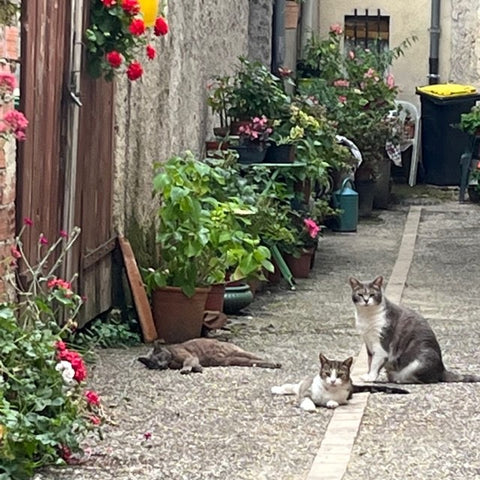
(398, 339)
(330, 388)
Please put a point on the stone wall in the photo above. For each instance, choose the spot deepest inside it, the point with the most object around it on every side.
(166, 112)
(465, 50)
(260, 31)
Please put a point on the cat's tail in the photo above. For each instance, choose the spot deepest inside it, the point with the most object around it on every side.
(286, 389)
(386, 388)
(452, 377)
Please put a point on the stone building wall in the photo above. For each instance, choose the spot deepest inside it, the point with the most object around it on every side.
(166, 112)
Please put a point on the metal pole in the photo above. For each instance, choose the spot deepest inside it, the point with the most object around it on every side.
(278, 40)
(433, 75)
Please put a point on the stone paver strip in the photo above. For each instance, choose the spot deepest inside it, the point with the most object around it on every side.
(332, 458)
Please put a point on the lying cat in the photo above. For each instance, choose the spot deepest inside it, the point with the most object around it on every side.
(193, 355)
(331, 387)
(398, 339)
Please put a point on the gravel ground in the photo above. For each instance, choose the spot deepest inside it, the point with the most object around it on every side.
(433, 433)
(224, 424)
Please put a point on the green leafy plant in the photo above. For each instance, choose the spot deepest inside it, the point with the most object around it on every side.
(9, 12)
(200, 237)
(255, 91)
(117, 37)
(45, 409)
(470, 121)
(359, 95)
(219, 90)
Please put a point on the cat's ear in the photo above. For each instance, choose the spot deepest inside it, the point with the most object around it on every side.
(323, 359)
(348, 362)
(354, 283)
(378, 282)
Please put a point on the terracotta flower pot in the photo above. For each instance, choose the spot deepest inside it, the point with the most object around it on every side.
(300, 266)
(177, 317)
(292, 9)
(215, 298)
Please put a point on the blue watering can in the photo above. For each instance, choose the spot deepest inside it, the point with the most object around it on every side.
(346, 200)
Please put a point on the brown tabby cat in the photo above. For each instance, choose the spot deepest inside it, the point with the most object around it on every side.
(193, 355)
(398, 339)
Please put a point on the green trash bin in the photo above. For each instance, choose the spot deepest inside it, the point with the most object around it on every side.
(442, 143)
(346, 200)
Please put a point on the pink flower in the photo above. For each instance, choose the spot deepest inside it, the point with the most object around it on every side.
(42, 239)
(27, 221)
(390, 81)
(351, 54)
(312, 227)
(63, 234)
(151, 53)
(95, 420)
(137, 27)
(161, 27)
(14, 122)
(15, 252)
(336, 29)
(342, 99)
(92, 397)
(147, 435)
(341, 83)
(7, 82)
(108, 3)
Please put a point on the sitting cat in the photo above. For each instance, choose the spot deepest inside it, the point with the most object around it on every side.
(193, 355)
(331, 387)
(398, 339)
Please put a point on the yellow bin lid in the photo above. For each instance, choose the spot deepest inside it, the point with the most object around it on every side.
(447, 89)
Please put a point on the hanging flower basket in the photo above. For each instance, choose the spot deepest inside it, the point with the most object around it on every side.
(119, 34)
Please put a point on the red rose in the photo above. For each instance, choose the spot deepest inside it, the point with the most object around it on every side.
(134, 71)
(132, 7)
(92, 397)
(108, 3)
(114, 59)
(151, 52)
(161, 27)
(137, 27)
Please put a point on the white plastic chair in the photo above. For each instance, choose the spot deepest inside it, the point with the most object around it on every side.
(408, 109)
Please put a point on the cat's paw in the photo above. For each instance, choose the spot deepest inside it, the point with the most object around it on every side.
(307, 405)
(368, 377)
(277, 390)
(332, 404)
(186, 370)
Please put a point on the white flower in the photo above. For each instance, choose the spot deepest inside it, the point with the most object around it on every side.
(67, 371)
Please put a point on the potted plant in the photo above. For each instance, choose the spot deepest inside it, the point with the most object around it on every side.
(200, 237)
(118, 33)
(470, 121)
(253, 140)
(255, 92)
(299, 255)
(217, 100)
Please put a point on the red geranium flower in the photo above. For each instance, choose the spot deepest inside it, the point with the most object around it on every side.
(134, 71)
(151, 52)
(77, 363)
(132, 7)
(92, 397)
(161, 27)
(137, 27)
(114, 59)
(108, 3)
(60, 345)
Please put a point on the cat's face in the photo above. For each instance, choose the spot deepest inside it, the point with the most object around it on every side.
(158, 359)
(366, 294)
(334, 372)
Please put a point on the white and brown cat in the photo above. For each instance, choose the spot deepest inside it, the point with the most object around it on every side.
(331, 387)
(398, 339)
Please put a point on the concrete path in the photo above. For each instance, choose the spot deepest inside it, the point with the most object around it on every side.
(430, 433)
